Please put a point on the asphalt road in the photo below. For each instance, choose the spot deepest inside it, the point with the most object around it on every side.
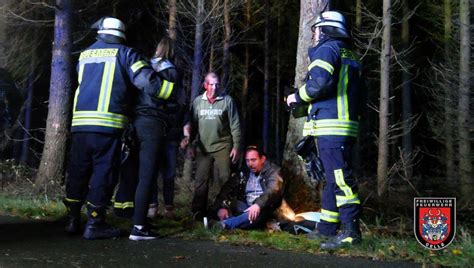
(44, 244)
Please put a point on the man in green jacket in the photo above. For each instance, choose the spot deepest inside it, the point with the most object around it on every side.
(215, 131)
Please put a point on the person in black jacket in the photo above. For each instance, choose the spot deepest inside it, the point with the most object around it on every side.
(249, 199)
(153, 119)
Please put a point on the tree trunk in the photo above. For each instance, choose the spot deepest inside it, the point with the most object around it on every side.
(173, 34)
(197, 61)
(449, 96)
(51, 168)
(278, 89)
(226, 47)
(297, 181)
(25, 145)
(245, 84)
(212, 52)
(383, 151)
(465, 165)
(407, 145)
(358, 12)
(266, 79)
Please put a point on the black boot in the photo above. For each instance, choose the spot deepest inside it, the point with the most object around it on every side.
(317, 235)
(96, 227)
(350, 235)
(73, 224)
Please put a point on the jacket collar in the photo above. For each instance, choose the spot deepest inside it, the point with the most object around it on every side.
(220, 97)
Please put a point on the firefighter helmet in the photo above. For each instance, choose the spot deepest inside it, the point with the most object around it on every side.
(111, 26)
(332, 23)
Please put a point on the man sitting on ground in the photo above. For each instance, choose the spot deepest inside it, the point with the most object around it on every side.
(247, 200)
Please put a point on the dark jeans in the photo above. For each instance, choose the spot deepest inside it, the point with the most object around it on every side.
(150, 133)
(92, 167)
(242, 221)
(167, 170)
(205, 163)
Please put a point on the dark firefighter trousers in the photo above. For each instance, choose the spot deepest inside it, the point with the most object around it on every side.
(92, 169)
(339, 200)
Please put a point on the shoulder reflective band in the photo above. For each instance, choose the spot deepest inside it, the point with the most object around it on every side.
(322, 64)
(166, 90)
(137, 65)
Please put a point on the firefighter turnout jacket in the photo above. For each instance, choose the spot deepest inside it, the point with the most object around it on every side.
(331, 87)
(102, 101)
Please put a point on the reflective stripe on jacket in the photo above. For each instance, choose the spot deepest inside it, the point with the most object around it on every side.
(332, 88)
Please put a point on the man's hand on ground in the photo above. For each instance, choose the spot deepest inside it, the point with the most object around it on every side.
(223, 214)
(254, 211)
(234, 155)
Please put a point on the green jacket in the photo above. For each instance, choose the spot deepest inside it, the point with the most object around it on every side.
(217, 124)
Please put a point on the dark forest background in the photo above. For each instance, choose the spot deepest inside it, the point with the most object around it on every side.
(417, 130)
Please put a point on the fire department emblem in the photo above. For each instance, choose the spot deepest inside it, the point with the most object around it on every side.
(435, 221)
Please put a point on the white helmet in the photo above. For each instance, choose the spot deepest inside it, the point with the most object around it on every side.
(109, 25)
(331, 19)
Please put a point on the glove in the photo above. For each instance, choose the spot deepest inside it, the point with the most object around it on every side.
(314, 169)
(307, 151)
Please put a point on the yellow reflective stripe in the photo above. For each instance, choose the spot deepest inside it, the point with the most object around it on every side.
(341, 183)
(348, 54)
(325, 127)
(303, 95)
(336, 123)
(343, 200)
(331, 213)
(334, 132)
(97, 122)
(106, 86)
(73, 200)
(110, 82)
(166, 89)
(329, 216)
(308, 128)
(342, 103)
(322, 64)
(137, 65)
(76, 94)
(79, 79)
(123, 205)
(100, 115)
